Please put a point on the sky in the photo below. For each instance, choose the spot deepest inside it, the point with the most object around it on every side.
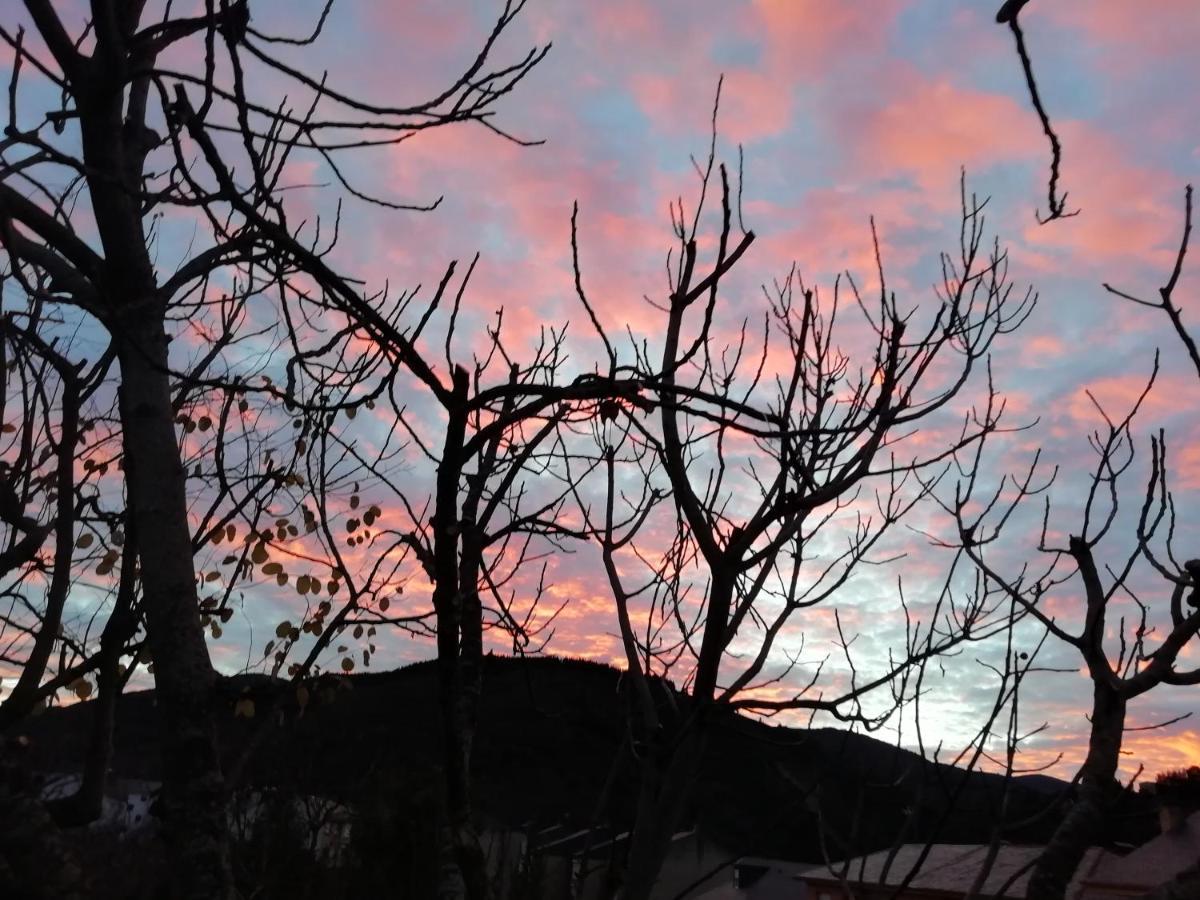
(842, 112)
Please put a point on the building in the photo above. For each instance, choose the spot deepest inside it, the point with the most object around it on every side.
(1154, 863)
(938, 872)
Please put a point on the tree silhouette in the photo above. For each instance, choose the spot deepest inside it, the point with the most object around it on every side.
(157, 123)
(745, 463)
(1138, 653)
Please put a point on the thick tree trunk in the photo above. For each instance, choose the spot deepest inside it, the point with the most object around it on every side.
(668, 776)
(111, 112)
(1085, 819)
(193, 798)
(463, 873)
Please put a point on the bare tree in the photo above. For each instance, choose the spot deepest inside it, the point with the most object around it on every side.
(1124, 659)
(455, 561)
(748, 465)
(145, 130)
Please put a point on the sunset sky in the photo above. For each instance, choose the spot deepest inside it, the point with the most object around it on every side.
(844, 111)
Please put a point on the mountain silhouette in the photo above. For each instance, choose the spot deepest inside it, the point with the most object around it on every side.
(549, 732)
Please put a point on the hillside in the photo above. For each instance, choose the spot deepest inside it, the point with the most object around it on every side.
(548, 734)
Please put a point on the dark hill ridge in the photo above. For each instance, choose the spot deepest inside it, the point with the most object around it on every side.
(548, 734)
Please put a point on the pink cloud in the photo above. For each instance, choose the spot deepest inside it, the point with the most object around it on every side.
(1131, 211)
(754, 105)
(806, 36)
(1118, 394)
(929, 126)
(1168, 27)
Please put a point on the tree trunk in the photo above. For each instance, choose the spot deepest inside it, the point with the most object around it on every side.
(1085, 819)
(193, 795)
(463, 874)
(668, 774)
(87, 803)
(195, 824)
(25, 694)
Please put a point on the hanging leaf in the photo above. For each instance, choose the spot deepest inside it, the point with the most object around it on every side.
(272, 568)
(259, 554)
(244, 708)
(347, 664)
(282, 629)
(84, 541)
